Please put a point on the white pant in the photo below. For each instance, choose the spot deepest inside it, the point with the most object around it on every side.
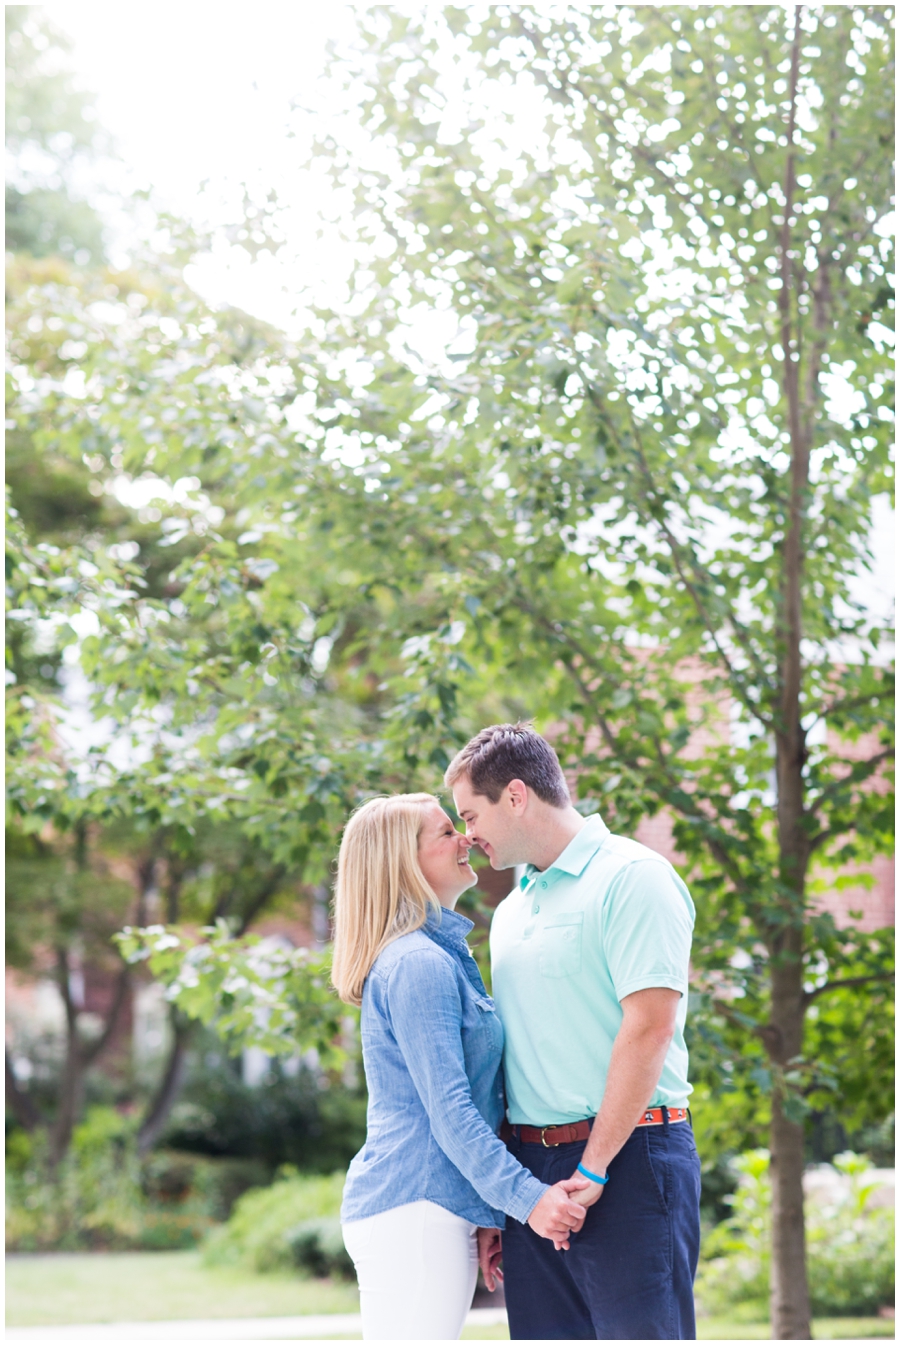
(416, 1266)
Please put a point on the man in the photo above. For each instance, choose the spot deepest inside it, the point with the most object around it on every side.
(589, 959)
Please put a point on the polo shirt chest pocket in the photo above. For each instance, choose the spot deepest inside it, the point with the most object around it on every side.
(560, 944)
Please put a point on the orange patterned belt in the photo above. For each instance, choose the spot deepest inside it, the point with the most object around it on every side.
(552, 1136)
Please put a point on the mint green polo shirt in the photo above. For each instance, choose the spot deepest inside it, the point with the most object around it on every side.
(609, 917)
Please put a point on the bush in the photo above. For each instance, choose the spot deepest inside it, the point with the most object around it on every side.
(291, 1224)
(103, 1196)
(306, 1119)
(850, 1245)
(317, 1246)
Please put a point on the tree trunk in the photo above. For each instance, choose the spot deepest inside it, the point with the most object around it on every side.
(71, 1089)
(789, 1295)
(18, 1100)
(789, 1302)
(170, 1085)
(71, 1084)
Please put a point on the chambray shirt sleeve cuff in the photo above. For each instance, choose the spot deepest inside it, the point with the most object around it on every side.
(660, 980)
(525, 1199)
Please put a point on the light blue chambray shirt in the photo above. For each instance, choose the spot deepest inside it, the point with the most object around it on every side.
(432, 1049)
(607, 918)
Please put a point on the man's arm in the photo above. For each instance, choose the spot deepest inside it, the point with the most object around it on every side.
(638, 1055)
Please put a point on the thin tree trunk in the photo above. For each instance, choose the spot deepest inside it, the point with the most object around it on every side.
(20, 1103)
(789, 1295)
(71, 1084)
(170, 1085)
(788, 1286)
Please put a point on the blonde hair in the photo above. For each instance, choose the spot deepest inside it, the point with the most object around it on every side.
(380, 892)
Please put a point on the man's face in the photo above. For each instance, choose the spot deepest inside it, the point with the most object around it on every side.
(496, 827)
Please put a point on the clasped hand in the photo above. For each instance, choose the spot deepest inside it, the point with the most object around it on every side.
(556, 1215)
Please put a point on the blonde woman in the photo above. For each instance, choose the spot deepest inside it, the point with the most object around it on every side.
(432, 1171)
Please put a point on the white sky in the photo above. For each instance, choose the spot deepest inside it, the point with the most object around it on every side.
(199, 92)
(202, 92)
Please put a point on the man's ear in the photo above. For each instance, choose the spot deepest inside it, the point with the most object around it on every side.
(517, 793)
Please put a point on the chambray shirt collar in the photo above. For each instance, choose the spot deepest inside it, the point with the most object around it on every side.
(448, 928)
(577, 854)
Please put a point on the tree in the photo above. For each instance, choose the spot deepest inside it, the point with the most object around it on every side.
(654, 473)
(636, 506)
(217, 787)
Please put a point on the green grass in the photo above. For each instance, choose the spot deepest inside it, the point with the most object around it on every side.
(717, 1328)
(65, 1288)
(73, 1287)
(824, 1328)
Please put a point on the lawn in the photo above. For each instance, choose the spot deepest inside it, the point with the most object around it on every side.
(64, 1288)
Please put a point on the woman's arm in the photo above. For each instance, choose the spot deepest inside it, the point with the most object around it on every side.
(425, 1012)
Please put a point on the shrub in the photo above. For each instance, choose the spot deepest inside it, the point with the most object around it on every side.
(102, 1195)
(317, 1246)
(306, 1119)
(292, 1223)
(850, 1245)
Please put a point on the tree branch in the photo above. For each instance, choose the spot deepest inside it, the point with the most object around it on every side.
(847, 984)
(867, 765)
(161, 1103)
(851, 702)
(675, 551)
(716, 848)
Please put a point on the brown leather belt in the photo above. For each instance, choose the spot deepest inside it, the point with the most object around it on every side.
(552, 1136)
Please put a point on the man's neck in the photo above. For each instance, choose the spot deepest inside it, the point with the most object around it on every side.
(558, 828)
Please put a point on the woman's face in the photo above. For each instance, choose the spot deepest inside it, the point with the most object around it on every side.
(444, 856)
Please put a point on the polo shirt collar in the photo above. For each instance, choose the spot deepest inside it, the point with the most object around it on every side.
(577, 854)
(447, 927)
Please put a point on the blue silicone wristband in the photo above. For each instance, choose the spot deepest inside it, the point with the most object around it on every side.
(593, 1176)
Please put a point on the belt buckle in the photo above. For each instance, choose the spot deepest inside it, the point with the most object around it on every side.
(544, 1130)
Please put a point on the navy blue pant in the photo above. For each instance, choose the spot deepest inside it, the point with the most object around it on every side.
(629, 1273)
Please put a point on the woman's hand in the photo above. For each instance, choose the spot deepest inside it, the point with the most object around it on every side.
(490, 1252)
(555, 1215)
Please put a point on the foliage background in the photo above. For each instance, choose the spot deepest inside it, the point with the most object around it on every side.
(285, 571)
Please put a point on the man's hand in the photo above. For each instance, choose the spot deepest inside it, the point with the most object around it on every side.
(490, 1252)
(589, 1194)
(556, 1214)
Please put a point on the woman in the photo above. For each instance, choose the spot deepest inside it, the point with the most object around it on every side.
(432, 1170)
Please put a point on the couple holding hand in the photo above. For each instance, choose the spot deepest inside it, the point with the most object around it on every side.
(547, 1126)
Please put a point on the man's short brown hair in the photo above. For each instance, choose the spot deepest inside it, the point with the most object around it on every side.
(507, 752)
